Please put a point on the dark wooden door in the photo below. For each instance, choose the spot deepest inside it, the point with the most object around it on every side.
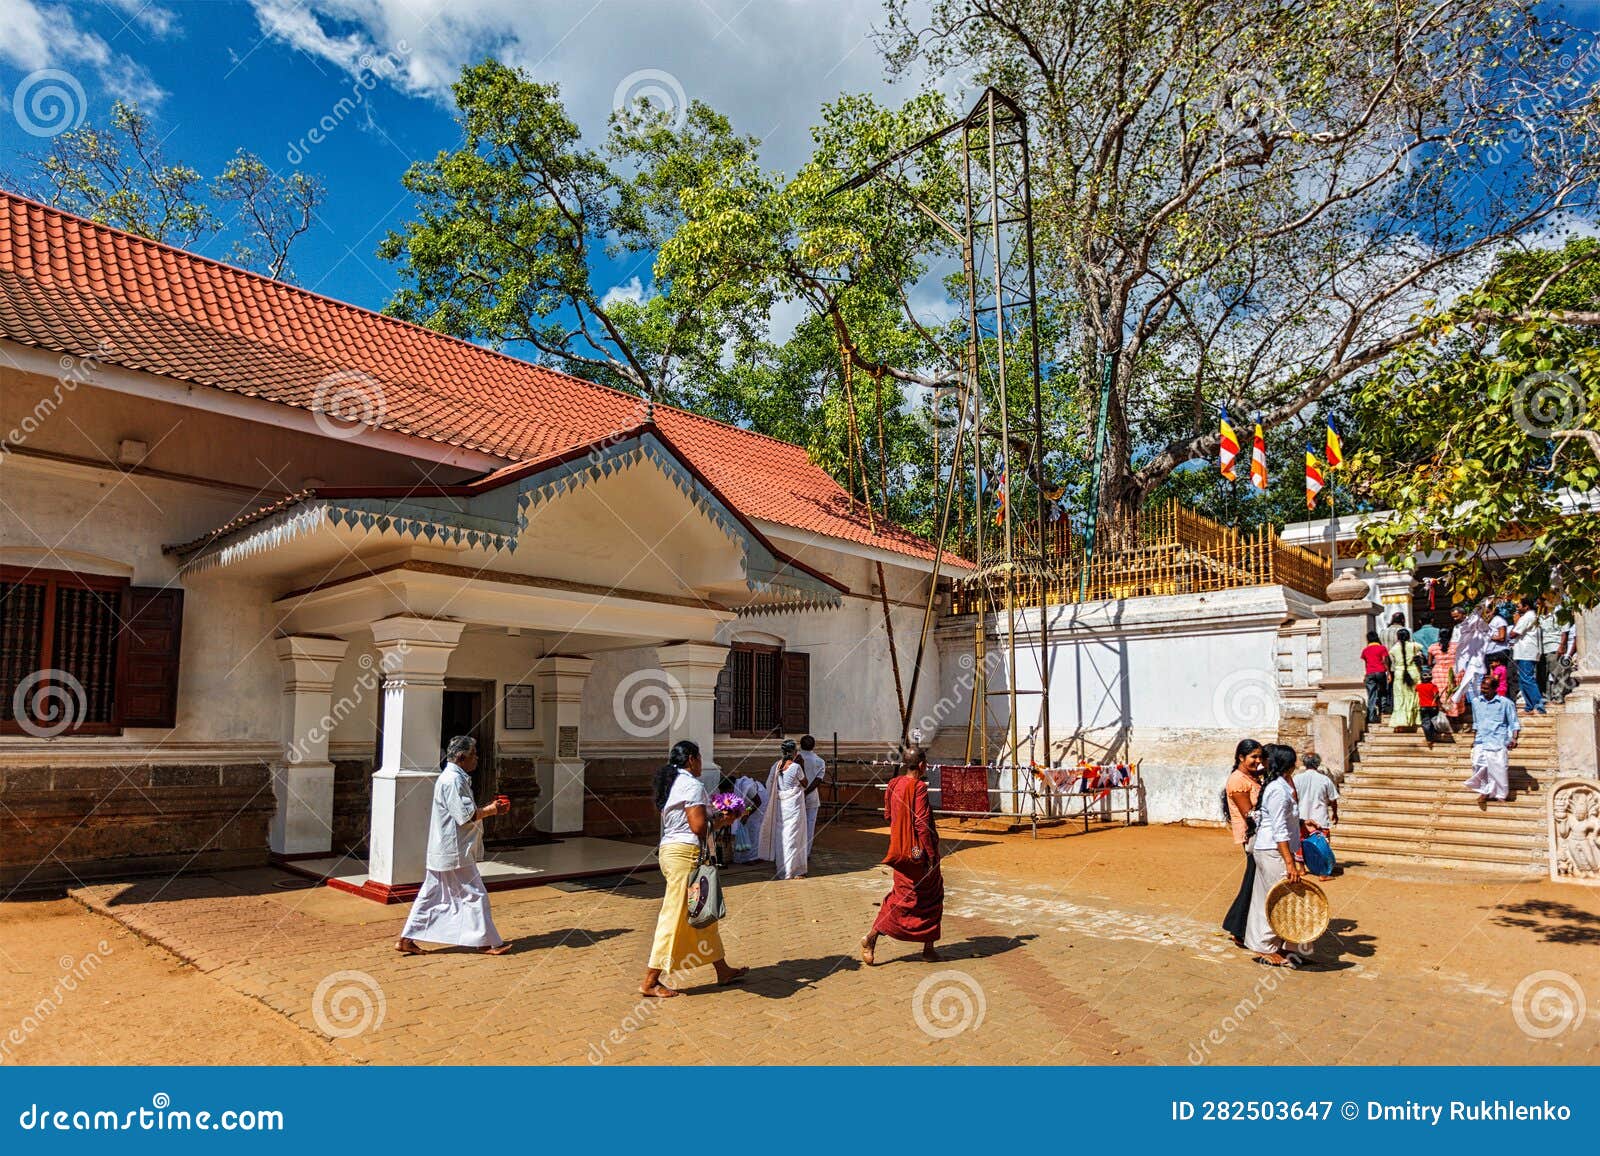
(470, 711)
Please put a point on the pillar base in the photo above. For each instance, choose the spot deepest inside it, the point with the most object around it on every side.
(402, 805)
(560, 807)
(302, 823)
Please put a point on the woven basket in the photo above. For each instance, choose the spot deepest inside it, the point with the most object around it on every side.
(1298, 912)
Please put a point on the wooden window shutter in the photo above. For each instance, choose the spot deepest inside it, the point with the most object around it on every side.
(722, 712)
(767, 702)
(796, 692)
(152, 633)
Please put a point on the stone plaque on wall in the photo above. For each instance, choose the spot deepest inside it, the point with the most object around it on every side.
(519, 707)
(566, 742)
(1575, 831)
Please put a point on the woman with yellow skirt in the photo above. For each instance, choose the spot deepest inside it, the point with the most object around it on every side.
(685, 823)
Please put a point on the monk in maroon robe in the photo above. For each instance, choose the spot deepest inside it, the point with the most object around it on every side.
(914, 908)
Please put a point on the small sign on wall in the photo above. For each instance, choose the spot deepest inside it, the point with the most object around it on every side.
(566, 742)
(519, 707)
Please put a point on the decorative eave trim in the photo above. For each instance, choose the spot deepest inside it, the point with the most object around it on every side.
(312, 515)
(781, 584)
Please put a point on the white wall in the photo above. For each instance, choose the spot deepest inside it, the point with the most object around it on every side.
(1171, 683)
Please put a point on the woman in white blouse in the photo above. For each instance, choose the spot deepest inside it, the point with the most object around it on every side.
(1276, 847)
(685, 824)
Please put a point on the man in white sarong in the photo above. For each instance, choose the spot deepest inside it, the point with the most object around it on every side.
(815, 769)
(453, 905)
(783, 828)
(1494, 732)
(1472, 632)
(747, 831)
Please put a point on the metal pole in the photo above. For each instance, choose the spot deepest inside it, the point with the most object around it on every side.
(1107, 374)
(1038, 441)
(981, 687)
(1005, 449)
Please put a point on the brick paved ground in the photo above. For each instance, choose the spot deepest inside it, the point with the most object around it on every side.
(1084, 949)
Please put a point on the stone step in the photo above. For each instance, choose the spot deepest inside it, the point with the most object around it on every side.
(1448, 846)
(1437, 778)
(1380, 855)
(1459, 739)
(1479, 833)
(1400, 808)
(1450, 761)
(1368, 804)
(1462, 738)
(1461, 735)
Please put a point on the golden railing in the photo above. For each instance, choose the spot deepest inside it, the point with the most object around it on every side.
(1166, 550)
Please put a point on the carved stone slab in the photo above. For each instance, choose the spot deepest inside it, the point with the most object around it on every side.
(1575, 831)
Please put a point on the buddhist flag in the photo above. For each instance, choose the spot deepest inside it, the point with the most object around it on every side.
(1335, 450)
(1229, 450)
(1314, 479)
(1258, 460)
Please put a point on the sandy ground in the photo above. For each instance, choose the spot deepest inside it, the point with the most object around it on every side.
(80, 988)
(1124, 918)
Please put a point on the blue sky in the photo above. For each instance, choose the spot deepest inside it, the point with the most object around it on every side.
(217, 75)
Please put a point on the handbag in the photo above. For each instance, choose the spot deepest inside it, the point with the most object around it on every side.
(705, 891)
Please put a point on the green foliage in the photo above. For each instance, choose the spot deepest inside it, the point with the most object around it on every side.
(275, 210)
(511, 220)
(1459, 433)
(120, 177)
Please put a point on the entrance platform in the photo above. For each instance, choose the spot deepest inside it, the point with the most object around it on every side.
(576, 858)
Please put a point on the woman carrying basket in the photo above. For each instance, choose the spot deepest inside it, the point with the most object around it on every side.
(914, 907)
(1276, 848)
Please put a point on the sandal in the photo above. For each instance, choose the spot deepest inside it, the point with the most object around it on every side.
(659, 991)
(868, 953)
(737, 977)
(1286, 962)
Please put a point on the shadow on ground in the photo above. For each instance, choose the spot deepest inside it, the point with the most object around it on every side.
(1552, 921)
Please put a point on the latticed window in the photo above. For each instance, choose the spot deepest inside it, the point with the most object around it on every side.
(85, 654)
(763, 690)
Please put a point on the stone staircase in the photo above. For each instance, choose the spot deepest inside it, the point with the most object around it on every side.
(1403, 802)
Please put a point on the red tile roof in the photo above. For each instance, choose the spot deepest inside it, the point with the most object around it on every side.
(76, 287)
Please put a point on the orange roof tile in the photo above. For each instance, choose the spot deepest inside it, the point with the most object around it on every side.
(76, 287)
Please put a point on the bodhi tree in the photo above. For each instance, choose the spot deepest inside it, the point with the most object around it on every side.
(1245, 204)
(1488, 430)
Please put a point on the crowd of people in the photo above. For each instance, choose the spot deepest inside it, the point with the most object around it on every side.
(1473, 673)
(748, 821)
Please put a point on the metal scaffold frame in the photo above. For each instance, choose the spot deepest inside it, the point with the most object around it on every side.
(997, 213)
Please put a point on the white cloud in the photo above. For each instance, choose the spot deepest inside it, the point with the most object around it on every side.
(767, 65)
(632, 291)
(34, 36)
(153, 18)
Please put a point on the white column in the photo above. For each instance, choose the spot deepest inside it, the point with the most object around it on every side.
(1339, 717)
(413, 654)
(302, 780)
(560, 678)
(1392, 589)
(694, 666)
(1578, 718)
